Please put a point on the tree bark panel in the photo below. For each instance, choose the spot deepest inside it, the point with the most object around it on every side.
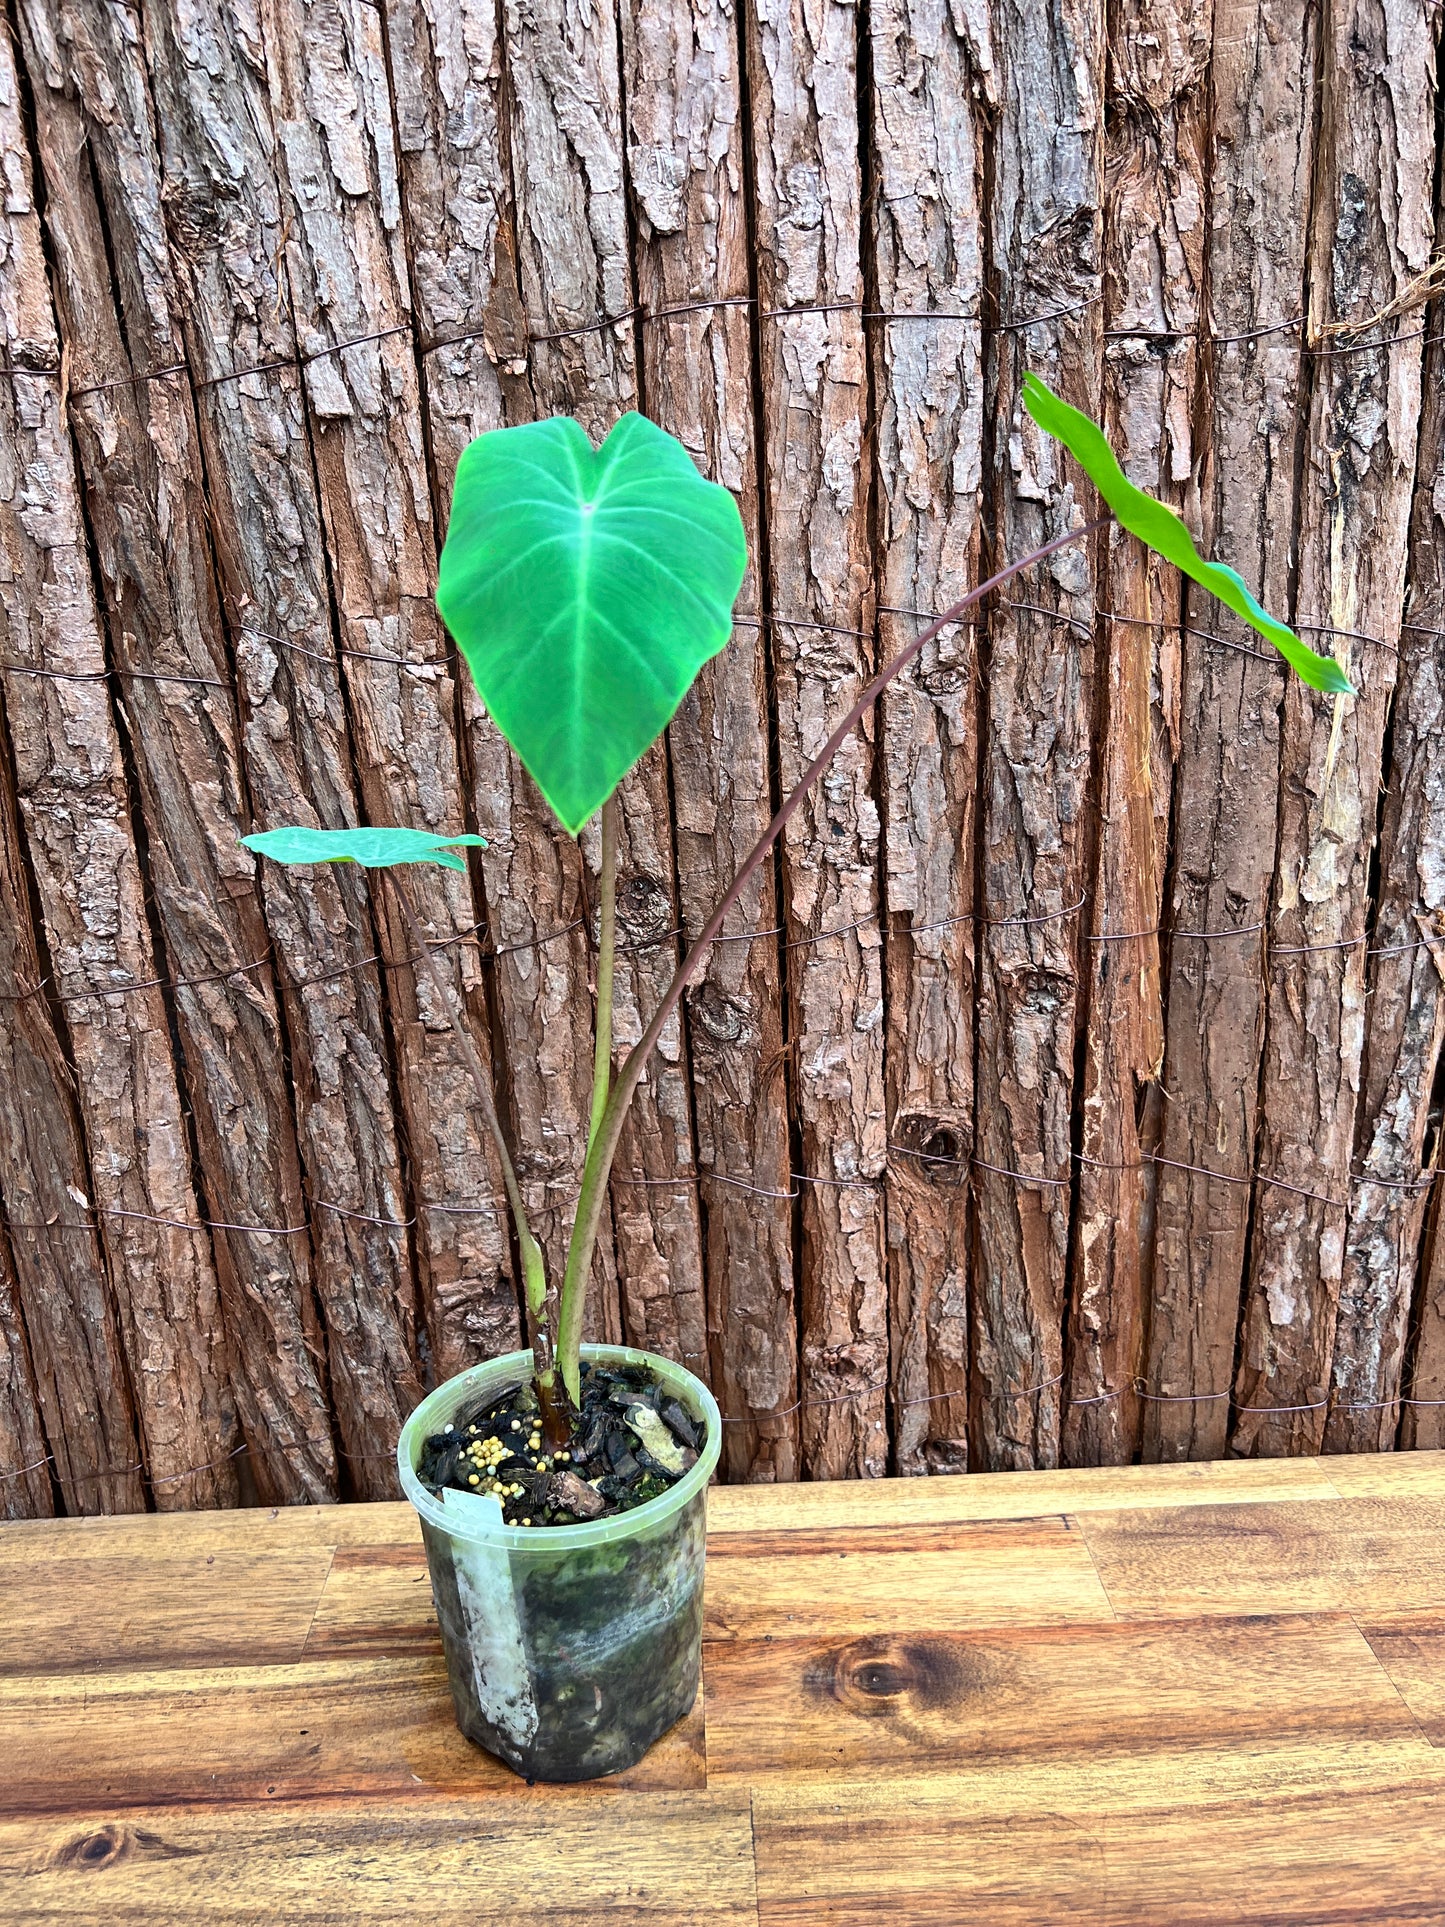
(1154, 247)
(1371, 236)
(933, 85)
(1035, 741)
(687, 174)
(803, 89)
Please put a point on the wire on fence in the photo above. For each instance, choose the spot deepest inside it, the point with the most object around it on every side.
(537, 337)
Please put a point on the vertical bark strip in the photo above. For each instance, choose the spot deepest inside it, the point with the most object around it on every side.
(60, 1279)
(145, 495)
(62, 1301)
(1372, 234)
(685, 136)
(1407, 1010)
(347, 283)
(932, 83)
(1154, 240)
(1035, 748)
(1263, 81)
(803, 84)
(224, 228)
(25, 1490)
(73, 802)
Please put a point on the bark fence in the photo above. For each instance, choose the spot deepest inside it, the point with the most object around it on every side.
(1069, 1090)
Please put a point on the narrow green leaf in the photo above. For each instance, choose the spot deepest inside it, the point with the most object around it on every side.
(1162, 529)
(586, 588)
(374, 849)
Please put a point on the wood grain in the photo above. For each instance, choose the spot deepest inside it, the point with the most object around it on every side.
(1011, 1495)
(911, 1700)
(456, 1861)
(1366, 1476)
(354, 1729)
(1328, 1835)
(865, 1580)
(1360, 1555)
(157, 1606)
(1411, 1649)
(1156, 1712)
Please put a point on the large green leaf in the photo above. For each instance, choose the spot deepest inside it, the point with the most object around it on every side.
(586, 588)
(1162, 529)
(375, 849)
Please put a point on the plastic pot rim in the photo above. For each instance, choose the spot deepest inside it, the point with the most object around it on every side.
(441, 1405)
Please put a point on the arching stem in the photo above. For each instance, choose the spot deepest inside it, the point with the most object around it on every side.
(603, 1145)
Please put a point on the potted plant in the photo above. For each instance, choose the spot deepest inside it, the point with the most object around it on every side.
(562, 1489)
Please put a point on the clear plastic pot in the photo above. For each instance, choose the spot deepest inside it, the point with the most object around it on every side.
(570, 1649)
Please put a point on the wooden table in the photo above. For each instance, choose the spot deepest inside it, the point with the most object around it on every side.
(1203, 1694)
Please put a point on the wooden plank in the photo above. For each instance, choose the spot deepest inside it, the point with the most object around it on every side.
(80, 841)
(1353, 1555)
(1367, 1475)
(1334, 1834)
(1035, 742)
(803, 102)
(1372, 236)
(453, 1862)
(76, 1612)
(795, 1581)
(134, 1536)
(686, 173)
(1260, 165)
(807, 1507)
(931, 86)
(903, 1701)
(1017, 1495)
(1154, 234)
(377, 1599)
(343, 1730)
(145, 498)
(872, 1579)
(1411, 1648)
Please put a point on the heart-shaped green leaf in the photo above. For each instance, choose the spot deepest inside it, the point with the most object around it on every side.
(375, 849)
(1162, 529)
(586, 588)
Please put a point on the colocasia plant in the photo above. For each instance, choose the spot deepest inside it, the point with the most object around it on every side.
(585, 588)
